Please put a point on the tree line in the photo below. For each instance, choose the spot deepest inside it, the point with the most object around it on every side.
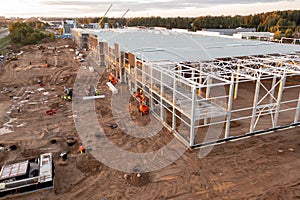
(282, 23)
(29, 33)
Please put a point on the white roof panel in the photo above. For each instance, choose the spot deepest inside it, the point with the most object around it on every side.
(157, 45)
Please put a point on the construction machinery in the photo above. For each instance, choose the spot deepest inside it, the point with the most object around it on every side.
(143, 107)
(101, 20)
(112, 79)
(125, 13)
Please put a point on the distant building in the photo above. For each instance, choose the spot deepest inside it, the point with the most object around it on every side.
(231, 31)
(91, 26)
(67, 25)
(106, 26)
(255, 35)
(81, 38)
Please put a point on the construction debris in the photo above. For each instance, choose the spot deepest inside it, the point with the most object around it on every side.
(64, 155)
(112, 88)
(93, 97)
(51, 112)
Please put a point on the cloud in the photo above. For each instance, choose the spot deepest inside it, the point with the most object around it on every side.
(99, 6)
(141, 7)
(70, 3)
(158, 4)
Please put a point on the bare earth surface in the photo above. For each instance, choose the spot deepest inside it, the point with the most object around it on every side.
(260, 167)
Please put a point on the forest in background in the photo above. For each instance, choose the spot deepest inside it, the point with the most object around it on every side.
(282, 23)
(29, 33)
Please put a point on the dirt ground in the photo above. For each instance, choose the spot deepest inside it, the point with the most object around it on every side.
(260, 167)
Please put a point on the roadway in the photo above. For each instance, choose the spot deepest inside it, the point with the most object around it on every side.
(3, 34)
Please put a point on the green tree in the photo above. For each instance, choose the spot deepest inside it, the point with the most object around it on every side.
(24, 34)
(277, 34)
(288, 33)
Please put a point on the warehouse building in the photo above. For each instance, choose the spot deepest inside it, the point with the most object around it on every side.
(205, 89)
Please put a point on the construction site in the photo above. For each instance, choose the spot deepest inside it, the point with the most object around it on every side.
(240, 97)
(211, 92)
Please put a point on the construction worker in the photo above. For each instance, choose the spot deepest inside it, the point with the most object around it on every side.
(139, 95)
(143, 108)
(81, 148)
(96, 92)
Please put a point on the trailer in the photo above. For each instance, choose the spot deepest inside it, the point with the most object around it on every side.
(27, 175)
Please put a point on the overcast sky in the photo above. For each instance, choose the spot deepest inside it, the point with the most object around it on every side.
(164, 8)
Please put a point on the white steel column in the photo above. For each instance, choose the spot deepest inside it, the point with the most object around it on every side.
(129, 78)
(143, 74)
(236, 88)
(208, 83)
(279, 98)
(200, 80)
(255, 101)
(297, 111)
(174, 103)
(192, 128)
(272, 92)
(151, 89)
(107, 56)
(161, 96)
(135, 75)
(229, 107)
(120, 61)
(193, 74)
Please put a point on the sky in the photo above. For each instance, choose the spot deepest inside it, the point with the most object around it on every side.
(145, 8)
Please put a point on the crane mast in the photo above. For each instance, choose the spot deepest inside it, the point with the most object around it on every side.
(101, 20)
(125, 13)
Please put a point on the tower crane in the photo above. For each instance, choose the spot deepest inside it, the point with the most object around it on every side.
(123, 17)
(101, 20)
(125, 13)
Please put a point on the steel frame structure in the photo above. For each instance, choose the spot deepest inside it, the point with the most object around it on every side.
(189, 98)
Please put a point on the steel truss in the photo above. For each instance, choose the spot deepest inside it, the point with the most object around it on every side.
(189, 98)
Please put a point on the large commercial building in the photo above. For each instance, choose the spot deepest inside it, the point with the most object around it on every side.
(205, 89)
